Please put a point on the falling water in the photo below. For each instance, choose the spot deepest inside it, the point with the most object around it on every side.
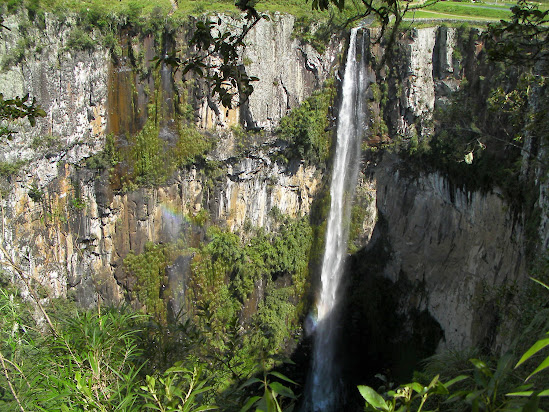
(323, 391)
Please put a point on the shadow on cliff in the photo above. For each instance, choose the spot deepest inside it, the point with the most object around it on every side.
(384, 330)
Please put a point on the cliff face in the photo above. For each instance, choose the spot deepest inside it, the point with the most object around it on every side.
(454, 253)
(460, 251)
(64, 224)
(68, 228)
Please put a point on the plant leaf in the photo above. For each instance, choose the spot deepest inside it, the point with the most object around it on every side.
(541, 283)
(249, 403)
(283, 377)
(373, 398)
(535, 348)
(543, 365)
(456, 380)
(277, 387)
(415, 386)
(249, 382)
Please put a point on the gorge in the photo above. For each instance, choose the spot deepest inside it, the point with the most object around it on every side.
(140, 188)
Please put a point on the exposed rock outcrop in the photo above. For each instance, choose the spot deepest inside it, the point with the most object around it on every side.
(66, 227)
(462, 249)
(460, 252)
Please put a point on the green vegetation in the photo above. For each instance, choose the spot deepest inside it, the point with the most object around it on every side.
(113, 359)
(107, 158)
(462, 381)
(149, 268)
(308, 128)
(462, 11)
(360, 211)
(17, 108)
(8, 169)
(85, 361)
(97, 11)
(80, 40)
(222, 291)
(245, 297)
(35, 193)
(226, 272)
(48, 142)
(145, 159)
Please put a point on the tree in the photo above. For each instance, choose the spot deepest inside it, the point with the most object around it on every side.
(524, 39)
(17, 108)
(215, 56)
(216, 49)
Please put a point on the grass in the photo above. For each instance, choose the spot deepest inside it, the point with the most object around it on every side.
(463, 11)
(449, 10)
(146, 7)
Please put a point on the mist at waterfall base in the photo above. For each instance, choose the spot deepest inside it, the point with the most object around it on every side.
(323, 385)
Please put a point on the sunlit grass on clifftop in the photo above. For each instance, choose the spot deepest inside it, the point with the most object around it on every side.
(456, 10)
(183, 8)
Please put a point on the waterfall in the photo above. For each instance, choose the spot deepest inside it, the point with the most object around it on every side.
(323, 386)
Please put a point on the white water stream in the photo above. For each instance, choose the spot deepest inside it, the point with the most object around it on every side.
(323, 391)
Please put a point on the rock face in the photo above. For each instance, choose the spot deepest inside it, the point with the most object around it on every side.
(67, 228)
(458, 249)
(289, 71)
(79, 249)
(70, 86)
(458, 253)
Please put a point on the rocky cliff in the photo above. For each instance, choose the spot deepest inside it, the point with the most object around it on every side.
(65, 226)
(69, 228)
(460, 252)
(451, 251)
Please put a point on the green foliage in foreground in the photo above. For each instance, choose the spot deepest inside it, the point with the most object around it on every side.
(479, 386)
(100, 360)
(17, 108)
(97, 360)
(243, 297)
(484, 393)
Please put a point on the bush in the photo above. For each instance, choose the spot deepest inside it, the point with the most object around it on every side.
(191, 146)
(79, 40)
(8, 169)
(307, 128)
(149, 268)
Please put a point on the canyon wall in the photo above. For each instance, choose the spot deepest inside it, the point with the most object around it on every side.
(455, 253)
(73, 234)
(460, 252)
(66, 227)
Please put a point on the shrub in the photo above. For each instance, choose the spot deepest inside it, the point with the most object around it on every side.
(8, 169)
(190, 146)
(307, 128)
(79, 40)
(149, 268)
